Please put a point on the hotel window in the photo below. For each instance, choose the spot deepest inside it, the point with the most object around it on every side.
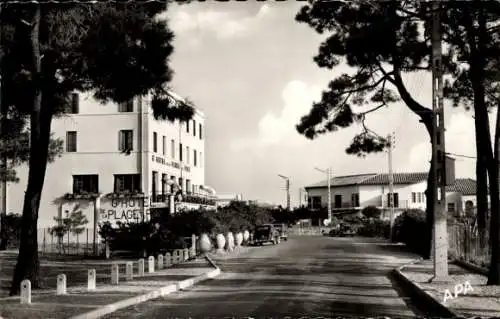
(188, 186)
(187, 155)
(419, 197)
(355, 200)
(85, 184)
(172, 148)
(75, 103)
(451, 207)
(413, 197)
(194, 158)
(125, 140)
(164, 145)
(127, 183)
(172, 178)
(200, 130)
(164, 183)
(154, 184)
(180, 152)
(194, 128)
(155, 142)
(127, 106)
(187, 126)
(71, 141)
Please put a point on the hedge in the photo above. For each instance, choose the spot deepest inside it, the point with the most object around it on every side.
(168, 232)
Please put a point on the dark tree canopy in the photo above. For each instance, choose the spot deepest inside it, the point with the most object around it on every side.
(380, 41)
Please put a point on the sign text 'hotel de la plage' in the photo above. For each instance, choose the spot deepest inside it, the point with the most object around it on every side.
(130, 208)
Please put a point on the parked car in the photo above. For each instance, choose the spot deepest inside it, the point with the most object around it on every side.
(346, 230)
(266, 234)
(281, 228)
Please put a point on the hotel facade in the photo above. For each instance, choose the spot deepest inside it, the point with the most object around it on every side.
(118, 163)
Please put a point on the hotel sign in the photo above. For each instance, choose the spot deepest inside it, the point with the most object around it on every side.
(161, 160)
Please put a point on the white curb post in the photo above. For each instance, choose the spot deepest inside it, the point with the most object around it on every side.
(91, 279)
(193, 245)
(115, 274)
(26, 291)
(168, 260)
(159, 262)
(141, 267)
(61, 284)
(151, 264)
(129, 271)
(186, 254)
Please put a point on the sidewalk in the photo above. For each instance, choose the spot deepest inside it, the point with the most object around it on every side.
(483, 301)
(46, 304)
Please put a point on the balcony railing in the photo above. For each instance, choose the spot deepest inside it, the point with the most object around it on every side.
(198, 199)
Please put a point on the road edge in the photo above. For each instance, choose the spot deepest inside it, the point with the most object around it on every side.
(160, 292)
(418, 293)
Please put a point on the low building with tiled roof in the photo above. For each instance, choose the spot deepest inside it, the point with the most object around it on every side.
(358, 191)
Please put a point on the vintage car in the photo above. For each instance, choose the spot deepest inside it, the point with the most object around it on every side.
(266, 234)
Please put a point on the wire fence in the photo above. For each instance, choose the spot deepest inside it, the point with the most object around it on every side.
(70, 243)
(464, 244)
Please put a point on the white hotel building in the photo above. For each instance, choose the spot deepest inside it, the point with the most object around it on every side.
(118, 162)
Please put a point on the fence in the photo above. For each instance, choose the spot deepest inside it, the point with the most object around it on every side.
(70, 244)
(464, 244)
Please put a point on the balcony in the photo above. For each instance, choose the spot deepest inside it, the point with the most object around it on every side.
(194, 198)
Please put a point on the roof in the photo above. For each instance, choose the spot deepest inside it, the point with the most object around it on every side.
(465, 186)
(372, 179)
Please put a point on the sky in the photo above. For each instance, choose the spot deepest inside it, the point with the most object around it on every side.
(249, 66)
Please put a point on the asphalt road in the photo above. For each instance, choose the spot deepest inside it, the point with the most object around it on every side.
(305, 276)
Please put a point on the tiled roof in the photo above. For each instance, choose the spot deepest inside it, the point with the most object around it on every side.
(399, 178)
(343, 180)
(465, 186)
(372, 179)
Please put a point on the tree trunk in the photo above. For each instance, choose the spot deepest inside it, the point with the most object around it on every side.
(494, 169)
(28, 264)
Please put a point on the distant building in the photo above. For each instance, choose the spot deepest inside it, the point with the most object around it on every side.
(223, 200)
(354, 192)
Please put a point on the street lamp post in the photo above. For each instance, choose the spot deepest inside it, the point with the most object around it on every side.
(328, 177)
(287, 181)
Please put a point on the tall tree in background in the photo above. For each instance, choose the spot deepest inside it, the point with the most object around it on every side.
(116, 51)
(380, 41)
(475, 85)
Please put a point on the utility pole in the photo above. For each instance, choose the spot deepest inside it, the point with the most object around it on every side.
(328, 172)
(287, 184)
(392, 142)
(3, 159)
(439, 234)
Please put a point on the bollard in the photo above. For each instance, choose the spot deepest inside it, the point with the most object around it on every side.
(186, 254)
(61, 284)
(115, 274)
(168, 260)
(174, 257)
(25, 291)
(129, 271)
(193, 245)
(159, 261)
(151, 264)
(141, 267)
(192, 253)
(91, 279)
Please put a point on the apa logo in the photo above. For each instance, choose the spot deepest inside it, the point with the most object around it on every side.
(459, 289)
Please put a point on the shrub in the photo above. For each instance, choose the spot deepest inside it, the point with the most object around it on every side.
(410, 228)
(371, 212)
(10, 233)
(375, 228)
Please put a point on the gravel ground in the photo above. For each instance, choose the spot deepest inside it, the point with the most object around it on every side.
(482, 301)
